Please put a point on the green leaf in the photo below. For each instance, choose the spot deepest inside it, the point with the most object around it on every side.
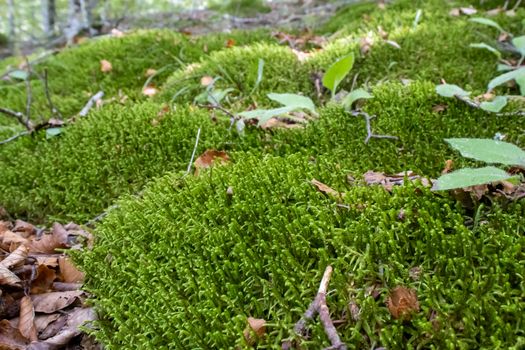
(486, 47)
(489, 151)
(520, 80)
(470, 177)
(487, 22)
(355, 95)
(216, 96)
(337, 72)
(495, 106)
(506, 77)
(519, 43)
(19, 74)
(52, 132)
(504, 68)
(260, 71)
(293, 100)
(263, 115)
(451, 90)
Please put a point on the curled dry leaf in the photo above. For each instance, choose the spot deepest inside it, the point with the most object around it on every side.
(8, 278)
(11, 338)
(49, 242)
(54, 301)
(230, 43)
(105, 66)
(26, 322)
(25, 229)
(44, 280)
(449, 165)
(68, 271)
(389, 181)
(206, 80)
(402, 302)
(43, 321)
(321, 187)
(210, 157)
(10, 241)
(439, 108)
(256, 327)
(53, 327)
(16, 257)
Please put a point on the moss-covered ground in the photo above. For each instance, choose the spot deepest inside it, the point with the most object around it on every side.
(181, 264)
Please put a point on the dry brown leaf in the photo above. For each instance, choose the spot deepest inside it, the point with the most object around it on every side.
(16, 257)
(503, 36)
(23, 228)
(301, 55)
(439, 108)
(277, 123)
(48, 260)
(150, 72)
(206, 80)
(321, 187)
(68, 272)
(256, 327)
(455, 12)
(49, 242)
(402, 302)
(105, 66)
(11, 338)
(150, 91)
(210, 157)
(44, 280)
(9, 278)
(11, 241)
(54, 301)
(43, 321)
(54, 327)
(389, 181)
(449, 165)
(78, 317)
(365, 44)
(230, 43)
(26, 321)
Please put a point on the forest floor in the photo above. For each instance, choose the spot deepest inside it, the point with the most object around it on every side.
(222, 187)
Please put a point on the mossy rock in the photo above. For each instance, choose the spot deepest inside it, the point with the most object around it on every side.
(185, 266)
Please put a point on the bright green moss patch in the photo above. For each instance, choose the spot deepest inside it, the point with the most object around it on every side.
(184, 267)
(237, 69)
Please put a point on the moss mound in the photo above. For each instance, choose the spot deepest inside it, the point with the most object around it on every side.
(185, 267)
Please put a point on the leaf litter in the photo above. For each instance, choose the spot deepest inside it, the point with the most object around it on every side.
(41, 303)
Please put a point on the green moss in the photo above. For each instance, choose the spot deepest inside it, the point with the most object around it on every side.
(184, 269)
(237, 68)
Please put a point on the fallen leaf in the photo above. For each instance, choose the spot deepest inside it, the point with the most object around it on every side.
(455, 12)
(11, 338)
(150, 72)
(11, 241)
(468, 11)
(54, 301)
(25, 229)
(230, 43)
(277, 123)
(68, 272)
(210, 157)
(449, 165)
(256, 327)
(389, 181)
(301, 55)
(49, 242)
(321, 187)
(105, 66)
(43, 321)
(54, 327)
(150, 91)
(26, 322)
(9, 278)
(503, 36)
(402, 302)
(78, 317)
(43, 280)
(16, 257)
(365, 44)
(439, 108)
(206, 80)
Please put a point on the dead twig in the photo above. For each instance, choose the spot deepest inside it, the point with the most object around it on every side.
(14, 137)
(55, 112)
(477, 105)
(85, 110)
(219, 107)
(370, 134)
(194, 151)
(319, 306)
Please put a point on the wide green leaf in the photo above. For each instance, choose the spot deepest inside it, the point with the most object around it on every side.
(519, 43)
(19, 74)
(496, 105)
(52, 132)
(489, 151)
(355, 95)
(293, 100)
(470, 177)
(487, 22)
(337, 72)
(486, 47)
(520, 80)
(263, 115)
(451, 90)
(506, 77)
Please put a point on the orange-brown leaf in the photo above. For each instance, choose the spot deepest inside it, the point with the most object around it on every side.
(16, 257)
(256, 327)
(11, 338)
(321, 187)
(402, 302)
(209, 158)
(11, 241)
(25, 229)
(26, 322)
(9, 278)
(44, 279)
(69, 272)
(49, 242)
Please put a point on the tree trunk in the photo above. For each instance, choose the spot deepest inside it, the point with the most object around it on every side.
(49, 17)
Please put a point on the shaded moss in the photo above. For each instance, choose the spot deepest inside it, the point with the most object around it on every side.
(185, 268)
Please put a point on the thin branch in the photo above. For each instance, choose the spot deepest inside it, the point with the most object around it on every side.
(477, 105)
(319, 306)
(468, 101)
(518, 3)
(219, 107)
(369, 133)
(12, 138)
(55, 112)
(29, 94)
(18, 115)
(194, 151)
